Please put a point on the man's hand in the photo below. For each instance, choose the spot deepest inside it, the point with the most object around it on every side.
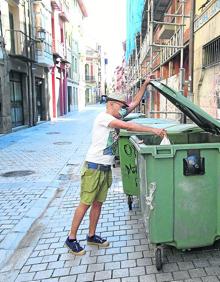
(160, 132)
(146, 81)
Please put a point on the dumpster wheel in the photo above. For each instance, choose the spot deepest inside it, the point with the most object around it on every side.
(158, 258)
(130, 201)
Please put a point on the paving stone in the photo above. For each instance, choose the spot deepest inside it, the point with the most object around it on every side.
(210, 279)
(201, 263)
(61, 272)
(34, 260)
(213, 270)
(112, 265)
(144, 261)
(50, 258)
(113, 251)
(86, 276)
(103, 275)
(25, 269)
(96, 267)
(135, 255)
(105, 258)
(55, 264)
(71, 278)
(161, 277)
(193, 280)
(25, 277)
(120, 257)
(128, 263)
(120, 273)
(38, 267)
(181, 275)
(130, 279)
(50, 280)
(136, 271)
(151, 269)
(148, 278)
(185, 265)
(43, 274)
(79, 269)
(197, 272)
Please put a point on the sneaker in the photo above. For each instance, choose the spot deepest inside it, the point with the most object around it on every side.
(74, 247)
(97, 240)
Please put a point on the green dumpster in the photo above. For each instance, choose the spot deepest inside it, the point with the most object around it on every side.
(129, 117)
(127, 155)
(180, 183)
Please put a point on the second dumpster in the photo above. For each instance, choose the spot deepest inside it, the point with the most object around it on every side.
(180, 183)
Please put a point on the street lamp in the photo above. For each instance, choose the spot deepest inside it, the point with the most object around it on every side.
(41, 35)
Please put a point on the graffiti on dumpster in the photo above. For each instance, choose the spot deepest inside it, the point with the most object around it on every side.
(130, 167)
(129, 150)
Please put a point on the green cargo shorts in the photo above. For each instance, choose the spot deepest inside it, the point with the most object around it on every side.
(94, 185)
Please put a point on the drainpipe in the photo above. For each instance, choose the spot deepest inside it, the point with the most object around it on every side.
(191, 51)
(32, 50)
(28, 69)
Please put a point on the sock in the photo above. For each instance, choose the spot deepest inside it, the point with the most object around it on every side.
(71, 240)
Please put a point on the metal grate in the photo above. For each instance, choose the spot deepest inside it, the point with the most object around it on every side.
(17, 173)
(211, 53)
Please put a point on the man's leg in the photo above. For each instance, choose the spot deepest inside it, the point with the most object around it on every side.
(77, 219)
(92, 238)
(94, 217)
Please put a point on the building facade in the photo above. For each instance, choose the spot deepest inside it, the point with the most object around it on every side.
(18, 96)
(206, 82)
(75, 48)
(39, 60)
(161, 48)
(92, 74)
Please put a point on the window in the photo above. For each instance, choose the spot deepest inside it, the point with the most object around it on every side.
(76, 66)
(211, 53)
(86, 71)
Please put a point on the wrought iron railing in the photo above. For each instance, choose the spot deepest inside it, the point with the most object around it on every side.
(20, 44)
(90, 78)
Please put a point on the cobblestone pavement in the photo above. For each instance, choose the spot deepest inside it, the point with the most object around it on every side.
(41, 255)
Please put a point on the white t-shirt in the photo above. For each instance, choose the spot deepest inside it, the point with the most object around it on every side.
(104, 139)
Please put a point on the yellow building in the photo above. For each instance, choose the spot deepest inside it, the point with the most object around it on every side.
(206, 79)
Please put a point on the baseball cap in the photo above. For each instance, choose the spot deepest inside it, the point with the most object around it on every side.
(118, 97)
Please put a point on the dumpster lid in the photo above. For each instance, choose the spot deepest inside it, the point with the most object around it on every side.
(194, 112)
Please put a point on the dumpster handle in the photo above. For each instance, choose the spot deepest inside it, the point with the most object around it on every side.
(163, 152)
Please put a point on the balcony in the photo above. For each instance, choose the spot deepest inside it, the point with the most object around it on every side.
(145, 48)
(167, 31)
(20, 45)
(44, 56)
(90, 78)
(168, 53)
(64, 14)
(58, 48)
(69, 54)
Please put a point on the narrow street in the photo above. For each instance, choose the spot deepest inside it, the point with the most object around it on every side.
(36, 212)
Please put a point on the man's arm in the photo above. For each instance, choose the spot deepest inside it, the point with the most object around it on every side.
(138, 97)
(132, 126)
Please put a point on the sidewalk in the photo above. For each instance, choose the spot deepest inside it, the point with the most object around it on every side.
(37, 211)
(44, 153)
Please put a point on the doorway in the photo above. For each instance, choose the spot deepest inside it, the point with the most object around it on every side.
(17, 113)
(39, 97)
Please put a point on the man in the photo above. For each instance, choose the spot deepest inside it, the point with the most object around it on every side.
(96, 174)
